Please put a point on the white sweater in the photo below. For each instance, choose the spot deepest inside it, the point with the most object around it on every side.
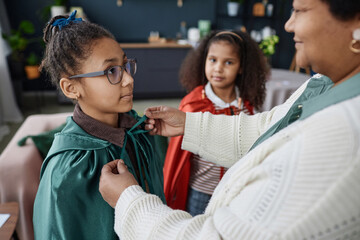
(302, 183)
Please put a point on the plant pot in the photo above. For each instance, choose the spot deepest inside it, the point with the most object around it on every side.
(32, 72)
(58, 10)
(233, 8)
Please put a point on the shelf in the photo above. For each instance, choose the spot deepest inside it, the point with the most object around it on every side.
(245, 17)
(223, 15)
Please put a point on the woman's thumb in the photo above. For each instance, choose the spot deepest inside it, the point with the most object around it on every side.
(121, 166)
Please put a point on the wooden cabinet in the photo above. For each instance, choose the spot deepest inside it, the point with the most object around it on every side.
(158, 69)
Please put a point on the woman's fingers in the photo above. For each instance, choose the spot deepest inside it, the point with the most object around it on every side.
(121, 167)
(110, 167)
(156, 112)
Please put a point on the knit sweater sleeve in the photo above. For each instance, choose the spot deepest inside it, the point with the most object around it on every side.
(139, 215)
(226, 139)
(300, 184)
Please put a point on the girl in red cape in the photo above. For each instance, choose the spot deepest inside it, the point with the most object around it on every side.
(226, 74)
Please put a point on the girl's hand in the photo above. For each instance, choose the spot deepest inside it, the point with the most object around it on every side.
(165, 121)
(114, 179)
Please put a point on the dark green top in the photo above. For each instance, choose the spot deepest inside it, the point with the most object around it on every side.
(68, 203)
(318, 94)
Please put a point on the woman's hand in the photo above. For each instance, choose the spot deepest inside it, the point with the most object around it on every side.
(165, 121)
(114, 179)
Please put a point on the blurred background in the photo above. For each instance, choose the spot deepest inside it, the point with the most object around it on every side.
(159, 33)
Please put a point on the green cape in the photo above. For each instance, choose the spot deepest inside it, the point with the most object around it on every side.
(68, 203)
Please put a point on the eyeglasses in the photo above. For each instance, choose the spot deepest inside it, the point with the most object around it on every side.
(115, 73)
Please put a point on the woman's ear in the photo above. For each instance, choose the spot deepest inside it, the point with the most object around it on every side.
(70, 88)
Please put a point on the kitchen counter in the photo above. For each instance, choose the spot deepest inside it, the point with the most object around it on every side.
(155, 45)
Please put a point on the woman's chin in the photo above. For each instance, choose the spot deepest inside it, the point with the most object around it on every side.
(300, 62)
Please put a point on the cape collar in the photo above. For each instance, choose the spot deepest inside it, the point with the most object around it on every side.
(218, 101)
(102, 130)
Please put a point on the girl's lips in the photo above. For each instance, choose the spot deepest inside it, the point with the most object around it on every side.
(127, 96)
(217, 78)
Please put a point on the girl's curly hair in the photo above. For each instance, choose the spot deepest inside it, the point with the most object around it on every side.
(68, 47)
(255, 70)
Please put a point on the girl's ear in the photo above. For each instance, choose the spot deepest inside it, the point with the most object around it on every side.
(70, 88)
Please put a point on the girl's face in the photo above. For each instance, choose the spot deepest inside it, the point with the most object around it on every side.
(222, 66)
(99, 98)
(321, 41)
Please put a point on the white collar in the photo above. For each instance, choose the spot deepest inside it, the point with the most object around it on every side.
(218, 101)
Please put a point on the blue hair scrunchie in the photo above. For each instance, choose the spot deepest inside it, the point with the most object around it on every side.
(65, 21)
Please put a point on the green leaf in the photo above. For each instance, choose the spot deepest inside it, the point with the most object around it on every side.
(27, 27)
(267, 45)
(32, 59)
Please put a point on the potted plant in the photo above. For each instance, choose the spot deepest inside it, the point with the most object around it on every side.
(233, 7)
(58, 8)
(18, 43)
(32, 66)
(17, 39)
(267, 45)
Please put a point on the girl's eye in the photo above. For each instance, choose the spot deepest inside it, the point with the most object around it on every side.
(212, 60)
(112, 70)
(228, 62)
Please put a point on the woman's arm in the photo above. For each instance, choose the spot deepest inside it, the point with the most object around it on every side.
(139, 215)
(291, 187)
(225, 139)
(217, 138)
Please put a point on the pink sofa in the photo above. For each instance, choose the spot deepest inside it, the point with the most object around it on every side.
(20, 169)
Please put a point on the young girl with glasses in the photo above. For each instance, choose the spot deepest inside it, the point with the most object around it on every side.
(88, 65)
(225, 75)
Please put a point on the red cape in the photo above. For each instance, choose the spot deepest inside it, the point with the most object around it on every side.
(177, 161)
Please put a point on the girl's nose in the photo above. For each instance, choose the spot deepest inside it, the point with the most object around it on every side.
(127, 79)
(218, 67)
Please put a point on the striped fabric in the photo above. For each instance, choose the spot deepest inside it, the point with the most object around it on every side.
(205, 176)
